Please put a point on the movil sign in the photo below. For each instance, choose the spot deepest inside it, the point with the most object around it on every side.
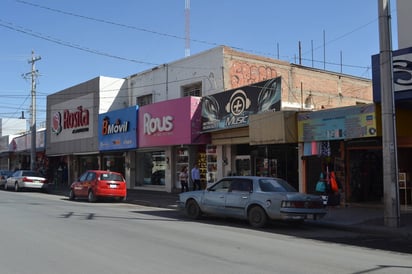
(156, 125)
(117, 127)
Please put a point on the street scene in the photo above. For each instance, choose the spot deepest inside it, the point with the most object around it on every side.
(206, 137)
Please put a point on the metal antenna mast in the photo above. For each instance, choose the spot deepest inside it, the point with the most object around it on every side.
(187, 28)
(33, 75)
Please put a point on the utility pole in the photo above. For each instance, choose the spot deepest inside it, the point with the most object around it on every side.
(389, 144)
(33, 75)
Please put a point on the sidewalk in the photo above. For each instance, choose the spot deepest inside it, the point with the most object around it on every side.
(352, 217)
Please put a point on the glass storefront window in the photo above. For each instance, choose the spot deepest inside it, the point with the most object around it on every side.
(154, 166)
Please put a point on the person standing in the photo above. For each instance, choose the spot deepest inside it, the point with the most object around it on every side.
(183, 177)
(195, 174)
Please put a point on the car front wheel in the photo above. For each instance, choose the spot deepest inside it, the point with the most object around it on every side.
(91, 197)
(71, 195)
(192, 209)
(257, 217)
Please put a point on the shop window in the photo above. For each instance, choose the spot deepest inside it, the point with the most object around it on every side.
(154, 166)
(144, 100)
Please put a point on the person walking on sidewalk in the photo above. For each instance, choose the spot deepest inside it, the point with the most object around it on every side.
(183, 178)
(196, 177)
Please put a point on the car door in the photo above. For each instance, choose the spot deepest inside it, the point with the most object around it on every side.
(238, 196)
(214, 198)
(78, 187)
(87, 184)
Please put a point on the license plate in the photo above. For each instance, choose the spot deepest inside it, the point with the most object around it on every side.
(113, 186)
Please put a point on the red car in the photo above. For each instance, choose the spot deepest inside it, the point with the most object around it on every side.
(95, 184)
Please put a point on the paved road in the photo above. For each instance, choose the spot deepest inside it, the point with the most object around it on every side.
(48, 234)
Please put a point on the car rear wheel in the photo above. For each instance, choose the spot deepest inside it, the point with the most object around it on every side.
(16, 187)
(5, 186)
(192, 209)
(91, 197)
(71, 195)
(257, 217)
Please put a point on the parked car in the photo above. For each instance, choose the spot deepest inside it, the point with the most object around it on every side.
(95, 184)
(22, 179)
(256, 199)
(4, 174)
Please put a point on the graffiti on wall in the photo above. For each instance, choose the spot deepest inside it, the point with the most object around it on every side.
(243, 74)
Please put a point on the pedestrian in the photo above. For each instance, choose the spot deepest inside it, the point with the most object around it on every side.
(183, 177)
(195, 173)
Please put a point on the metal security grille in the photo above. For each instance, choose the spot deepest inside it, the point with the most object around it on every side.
(193, 90)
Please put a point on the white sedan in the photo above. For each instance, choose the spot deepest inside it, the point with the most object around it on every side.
(22, 179)
(256, 199)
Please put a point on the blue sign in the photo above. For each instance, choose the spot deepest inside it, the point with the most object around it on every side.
(118, 129)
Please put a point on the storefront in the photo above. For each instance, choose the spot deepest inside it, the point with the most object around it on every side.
(274, 145)
(117, 132)
(228, 117)
(20, 152)
(169, 139)
(343, 141)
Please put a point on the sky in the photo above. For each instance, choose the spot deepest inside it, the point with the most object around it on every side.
(79, 40)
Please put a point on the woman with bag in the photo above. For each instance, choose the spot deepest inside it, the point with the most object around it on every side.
(183, 177)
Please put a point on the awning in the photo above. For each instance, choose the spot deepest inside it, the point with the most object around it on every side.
(273, 128)
(233, 136)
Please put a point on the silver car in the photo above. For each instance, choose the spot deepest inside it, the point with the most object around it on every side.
(256, 199)
(21, 179)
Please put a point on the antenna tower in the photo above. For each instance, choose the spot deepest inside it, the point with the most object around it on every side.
(187, 28)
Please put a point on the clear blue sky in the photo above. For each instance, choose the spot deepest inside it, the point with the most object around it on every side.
(81, 39)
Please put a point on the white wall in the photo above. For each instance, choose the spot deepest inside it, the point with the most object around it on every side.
(165, 82)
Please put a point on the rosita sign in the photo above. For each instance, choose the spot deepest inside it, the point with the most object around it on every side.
(77, 120)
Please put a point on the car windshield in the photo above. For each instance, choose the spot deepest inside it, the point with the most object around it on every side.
(275, 185)
(111, 177)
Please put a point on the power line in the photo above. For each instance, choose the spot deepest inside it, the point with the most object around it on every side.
(188, 39)
(67, 44)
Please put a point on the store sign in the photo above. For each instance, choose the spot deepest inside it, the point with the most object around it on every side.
(231, 109)
(118, 129)
(72, 119)
(171, 122)
(338, 124)
(402, 75)
(77, 121)
(157, 125)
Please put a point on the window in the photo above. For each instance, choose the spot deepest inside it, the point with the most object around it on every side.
(222, 186)
(144, 100)
(91, 176)
(192, 90)
(241, 185)
(110, 177)
(272, 185)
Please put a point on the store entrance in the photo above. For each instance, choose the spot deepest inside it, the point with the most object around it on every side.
(243, 167)
(153, 166)
(366, 176)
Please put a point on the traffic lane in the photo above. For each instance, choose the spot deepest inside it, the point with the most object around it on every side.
(305, 230)
(58, 236)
